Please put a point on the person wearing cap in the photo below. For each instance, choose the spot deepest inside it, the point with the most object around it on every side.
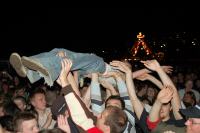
(193, 118)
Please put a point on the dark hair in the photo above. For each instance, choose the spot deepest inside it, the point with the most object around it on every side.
(7, 122)
(116, 97)
(37, 91)
(191, 93)
(144, 98)
(116, 119)
(10, 108)
(21, 117)
(20, 98)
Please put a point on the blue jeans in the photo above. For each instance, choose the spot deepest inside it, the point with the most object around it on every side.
(83, 62)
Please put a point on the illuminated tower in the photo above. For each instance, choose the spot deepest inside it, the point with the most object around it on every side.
(140, 43)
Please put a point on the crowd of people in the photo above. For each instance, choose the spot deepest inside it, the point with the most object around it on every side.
(61, 91)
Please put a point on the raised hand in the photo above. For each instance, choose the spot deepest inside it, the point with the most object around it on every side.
(167, 69)
(63, 123)
(151, 64)
(165, 95)
(66, 66)
(121, 66)
(111, 74)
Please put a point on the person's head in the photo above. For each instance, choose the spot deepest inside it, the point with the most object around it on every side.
(115, 100)
(165, 111)
(7, 123)
(20, 102)
(55, 130)
(189, 84)
(5, 87)
(151, 92)
(51, 95)
(10, 108)
(20, 90)
(193, 118)
(38, 100)
(112, 120)
(189, 99)
(25, 122)
(16, 80)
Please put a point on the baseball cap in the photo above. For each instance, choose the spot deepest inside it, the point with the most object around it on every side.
(191, 112)
(58, 107)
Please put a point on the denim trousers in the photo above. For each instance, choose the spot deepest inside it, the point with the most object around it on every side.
(85, 63)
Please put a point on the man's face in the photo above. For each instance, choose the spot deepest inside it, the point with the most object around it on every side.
(193, 125)
(114, 102)
(101, 120)
(165, 110)
(189, 84)
(30, 126)
(39, 101)
(20, 104)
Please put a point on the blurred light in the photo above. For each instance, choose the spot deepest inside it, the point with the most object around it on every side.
(177, 49)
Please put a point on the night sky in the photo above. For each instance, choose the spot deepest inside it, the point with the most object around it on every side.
(112, 30)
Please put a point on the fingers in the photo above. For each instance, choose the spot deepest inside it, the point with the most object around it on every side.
(66, 64)
(61, 120)
(119, 65)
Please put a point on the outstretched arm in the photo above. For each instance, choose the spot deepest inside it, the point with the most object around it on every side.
(167, 69)
(164, 96)
(137, 105)
(96, 99)
(77, 109)
(73, 83)
(152, 79)
(176, 104)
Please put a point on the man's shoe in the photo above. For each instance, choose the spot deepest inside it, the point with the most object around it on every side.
(34, 65)
(16, 63)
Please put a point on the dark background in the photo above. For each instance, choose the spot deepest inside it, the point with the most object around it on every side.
(108, 32)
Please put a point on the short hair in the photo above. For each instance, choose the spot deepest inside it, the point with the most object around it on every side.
(21, 98)
(191, 93)
(20, 118)
(116, 120)
(55, 130)
(7, 122)
(36, 91)
(116, 97)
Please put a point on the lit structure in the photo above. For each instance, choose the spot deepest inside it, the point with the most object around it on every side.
(140, 43)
